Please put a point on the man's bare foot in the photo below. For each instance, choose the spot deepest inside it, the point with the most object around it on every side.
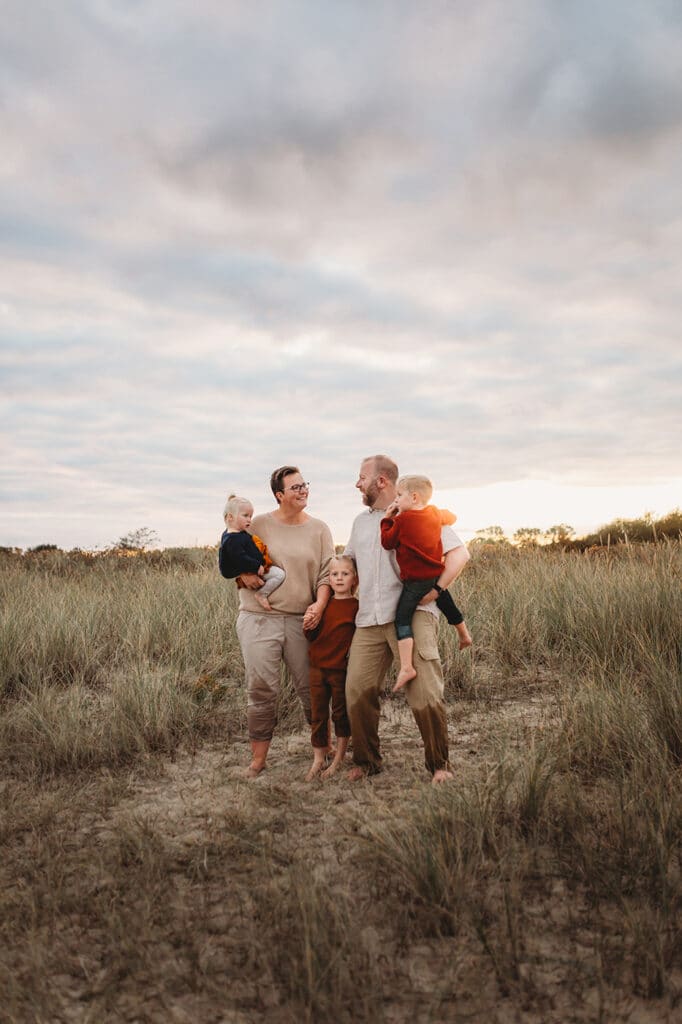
(442, 775)
(263, 602)
(254, 769)
(356, 773)
(404, 677)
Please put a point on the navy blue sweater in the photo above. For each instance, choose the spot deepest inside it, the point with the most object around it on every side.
(238, 554)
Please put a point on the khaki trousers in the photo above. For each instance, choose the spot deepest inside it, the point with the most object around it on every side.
(267, 640)
(372, 651)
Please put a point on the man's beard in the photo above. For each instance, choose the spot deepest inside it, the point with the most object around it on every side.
(371, 494)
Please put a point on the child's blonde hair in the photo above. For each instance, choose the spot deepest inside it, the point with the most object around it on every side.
(345, 558)
(421, 484)
(233, 504)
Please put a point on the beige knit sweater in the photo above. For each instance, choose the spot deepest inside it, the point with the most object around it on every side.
(304, 551)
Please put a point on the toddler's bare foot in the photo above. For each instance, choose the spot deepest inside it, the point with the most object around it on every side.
(464, 636)
(404, 677)
(315, 769)
(254, 769)
(263, 602)
(442, 775)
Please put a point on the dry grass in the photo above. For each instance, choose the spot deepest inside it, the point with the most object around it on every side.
(143, 879)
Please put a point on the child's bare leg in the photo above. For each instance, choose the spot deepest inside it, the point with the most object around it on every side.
(341, 748)
(318, 763)
(263, 601)
(464, 636)
(407, 669)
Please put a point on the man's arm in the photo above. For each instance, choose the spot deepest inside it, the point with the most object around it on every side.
(455, 560)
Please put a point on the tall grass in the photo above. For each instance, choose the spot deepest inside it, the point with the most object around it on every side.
(556, 853)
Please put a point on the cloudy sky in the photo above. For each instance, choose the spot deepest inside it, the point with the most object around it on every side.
(239, 234)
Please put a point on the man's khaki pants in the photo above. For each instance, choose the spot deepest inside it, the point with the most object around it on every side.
(372, 651)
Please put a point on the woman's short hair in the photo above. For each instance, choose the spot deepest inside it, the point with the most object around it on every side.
(421, 484)
(277, 478)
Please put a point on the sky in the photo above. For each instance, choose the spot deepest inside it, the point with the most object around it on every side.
(240, 235)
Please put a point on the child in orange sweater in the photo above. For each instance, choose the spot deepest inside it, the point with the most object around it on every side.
(328, 652)
(412, 527)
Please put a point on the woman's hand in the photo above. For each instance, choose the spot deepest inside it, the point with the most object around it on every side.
(428, 598)
(251, 580)
(312, 615)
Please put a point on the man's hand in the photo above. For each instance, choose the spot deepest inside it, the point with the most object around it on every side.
(251, 580)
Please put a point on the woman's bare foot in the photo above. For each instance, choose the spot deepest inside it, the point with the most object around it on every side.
(404, 677)
(263, 602)
(442, 775)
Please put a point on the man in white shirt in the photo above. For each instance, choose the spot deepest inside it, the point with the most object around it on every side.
(375, 643)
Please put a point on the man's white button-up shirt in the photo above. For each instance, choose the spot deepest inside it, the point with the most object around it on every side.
(378, 573)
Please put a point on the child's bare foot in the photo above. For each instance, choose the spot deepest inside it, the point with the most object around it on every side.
(316, 767)
(404, 677)
(254, 769)
(263, 602)
(464, 636)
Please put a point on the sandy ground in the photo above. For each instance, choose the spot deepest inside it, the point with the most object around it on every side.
(321, 824)
(218, 836)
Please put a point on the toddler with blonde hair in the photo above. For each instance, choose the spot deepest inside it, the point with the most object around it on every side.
(242, 552)
(412, 528)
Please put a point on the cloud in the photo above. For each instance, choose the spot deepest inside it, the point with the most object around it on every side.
(232, 238)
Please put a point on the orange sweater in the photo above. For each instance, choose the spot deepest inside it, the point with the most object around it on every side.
(330, 641)
(415, 537)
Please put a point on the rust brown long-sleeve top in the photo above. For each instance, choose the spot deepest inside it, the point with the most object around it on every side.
(330, 641)
(415, 536)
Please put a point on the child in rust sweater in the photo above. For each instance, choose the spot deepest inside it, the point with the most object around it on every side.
(328, 653)
(412, 527)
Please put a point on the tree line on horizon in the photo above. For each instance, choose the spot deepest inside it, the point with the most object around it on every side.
(643, 530)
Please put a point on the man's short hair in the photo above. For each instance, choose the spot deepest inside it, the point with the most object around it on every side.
(421, 484)
(277, 478)
(383, 466)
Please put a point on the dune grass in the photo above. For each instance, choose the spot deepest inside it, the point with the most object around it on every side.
(555, 856)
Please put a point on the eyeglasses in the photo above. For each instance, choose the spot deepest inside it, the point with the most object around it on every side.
(297, 488)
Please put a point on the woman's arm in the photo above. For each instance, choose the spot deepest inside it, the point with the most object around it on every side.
(313, 613)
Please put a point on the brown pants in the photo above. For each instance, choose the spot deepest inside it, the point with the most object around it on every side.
(327, 684)
(371, 653)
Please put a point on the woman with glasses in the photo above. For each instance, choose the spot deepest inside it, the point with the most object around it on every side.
(303, 547)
